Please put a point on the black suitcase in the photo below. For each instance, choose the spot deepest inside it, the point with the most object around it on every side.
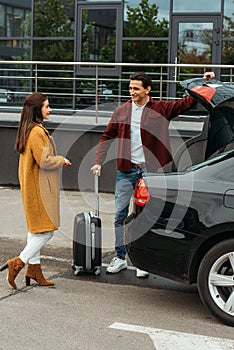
(87, 240)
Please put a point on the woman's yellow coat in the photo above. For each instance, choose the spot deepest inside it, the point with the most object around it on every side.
(40, 181)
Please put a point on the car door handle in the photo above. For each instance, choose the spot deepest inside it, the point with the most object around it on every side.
(228, 199)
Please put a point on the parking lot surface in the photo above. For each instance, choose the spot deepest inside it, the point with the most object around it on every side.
(95, 312)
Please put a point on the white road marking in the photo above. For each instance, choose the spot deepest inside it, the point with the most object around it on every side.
(171, 340)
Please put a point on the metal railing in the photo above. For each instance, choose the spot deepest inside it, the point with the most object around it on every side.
(95, 95)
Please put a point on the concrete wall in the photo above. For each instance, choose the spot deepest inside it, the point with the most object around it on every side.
(77, 143)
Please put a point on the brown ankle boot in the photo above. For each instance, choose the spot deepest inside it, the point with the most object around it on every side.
(34, 271)
(14, 267)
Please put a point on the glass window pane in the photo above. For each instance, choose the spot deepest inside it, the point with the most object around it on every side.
(93, 1)
(148, 24)
(98, 35)
(52, 19)
(196, 6)
(195, 42)
(228, 20)
(17, 18)
(145, 51)
(9, 21)
(228, 52)
(163, 7)
(2, 16)
(53, 50)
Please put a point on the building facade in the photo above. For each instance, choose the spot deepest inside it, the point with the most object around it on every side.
(146, 31)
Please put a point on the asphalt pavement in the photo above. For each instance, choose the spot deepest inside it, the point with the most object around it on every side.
(58, 251)
(20, 308)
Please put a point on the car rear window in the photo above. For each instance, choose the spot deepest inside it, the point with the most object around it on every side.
(218, 158)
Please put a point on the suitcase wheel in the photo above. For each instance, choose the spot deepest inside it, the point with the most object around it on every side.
(77, 270)
(97, 271)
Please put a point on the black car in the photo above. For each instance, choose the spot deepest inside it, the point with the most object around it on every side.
(182, 223)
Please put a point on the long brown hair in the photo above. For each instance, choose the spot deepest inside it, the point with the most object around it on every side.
(30, 116)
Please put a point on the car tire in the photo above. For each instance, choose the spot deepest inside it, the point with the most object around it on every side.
(216, 281)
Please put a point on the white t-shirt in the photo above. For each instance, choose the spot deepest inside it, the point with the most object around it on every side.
(137, 154)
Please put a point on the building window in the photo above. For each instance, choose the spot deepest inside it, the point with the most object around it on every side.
(228, 52)
(2, 24)
(228, 20)
(11, 20)
(14, 19)
(146, 31)
(196, 6)
(228, 33)
(98, 35)
(162, 5)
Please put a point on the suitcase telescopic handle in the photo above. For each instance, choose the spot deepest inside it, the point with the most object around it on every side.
(96, 193)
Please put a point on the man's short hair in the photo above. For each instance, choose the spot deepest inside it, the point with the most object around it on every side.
(143, 77)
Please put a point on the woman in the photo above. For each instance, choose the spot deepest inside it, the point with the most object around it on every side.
(39, 182)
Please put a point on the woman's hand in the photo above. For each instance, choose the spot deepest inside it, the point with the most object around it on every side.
(67, 162)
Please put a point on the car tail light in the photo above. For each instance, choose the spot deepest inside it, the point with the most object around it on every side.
(141, 195)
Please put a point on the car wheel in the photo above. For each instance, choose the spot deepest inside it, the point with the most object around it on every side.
(216, 281)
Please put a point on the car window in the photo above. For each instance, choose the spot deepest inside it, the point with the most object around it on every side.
(216, 159)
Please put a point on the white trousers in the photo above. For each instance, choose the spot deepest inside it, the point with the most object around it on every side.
(35, 241)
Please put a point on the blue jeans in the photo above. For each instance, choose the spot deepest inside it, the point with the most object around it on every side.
(124, 187)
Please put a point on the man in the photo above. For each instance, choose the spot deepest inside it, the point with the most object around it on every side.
(141, 125)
